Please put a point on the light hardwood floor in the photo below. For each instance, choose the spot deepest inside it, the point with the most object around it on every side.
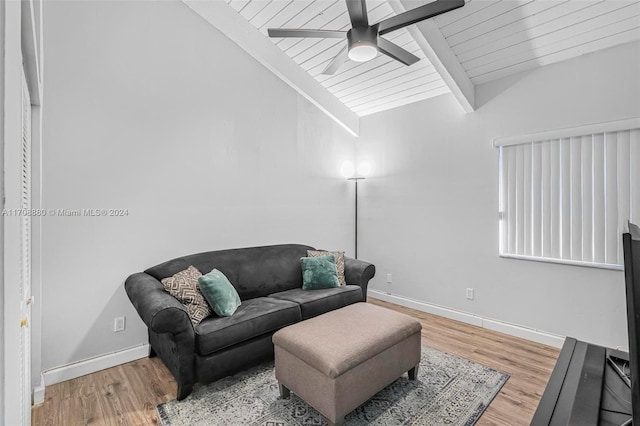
(128, 394)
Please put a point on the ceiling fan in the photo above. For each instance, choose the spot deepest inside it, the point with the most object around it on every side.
(364, 41)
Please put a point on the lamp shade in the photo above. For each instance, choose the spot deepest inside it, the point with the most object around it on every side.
(364, 169)
(347, 169)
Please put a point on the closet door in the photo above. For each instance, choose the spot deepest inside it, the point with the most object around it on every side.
(25, 257)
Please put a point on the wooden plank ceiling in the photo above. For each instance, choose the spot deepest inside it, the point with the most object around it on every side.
(365, 88)
(493, 39)
(490, 38)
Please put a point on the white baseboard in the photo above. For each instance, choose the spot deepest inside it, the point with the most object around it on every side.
(477, 320)
(38, 392)
(91, 365)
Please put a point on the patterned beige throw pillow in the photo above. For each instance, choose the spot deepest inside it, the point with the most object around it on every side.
(184, 287)
(339, 255)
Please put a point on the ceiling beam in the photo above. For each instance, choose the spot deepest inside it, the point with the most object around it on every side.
(240, 31)
(437, 50)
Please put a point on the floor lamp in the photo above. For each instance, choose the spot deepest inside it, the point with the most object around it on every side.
(356, 179)
(348, 171)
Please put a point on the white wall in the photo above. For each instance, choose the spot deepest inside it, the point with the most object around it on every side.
(2, 286)
(150, 109)
(429, 214)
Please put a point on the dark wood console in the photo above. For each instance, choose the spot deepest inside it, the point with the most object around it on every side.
(584, 389)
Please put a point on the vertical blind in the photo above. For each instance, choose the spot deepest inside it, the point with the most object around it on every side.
(567, 195)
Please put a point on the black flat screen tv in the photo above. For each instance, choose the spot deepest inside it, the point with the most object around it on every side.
(631, 245)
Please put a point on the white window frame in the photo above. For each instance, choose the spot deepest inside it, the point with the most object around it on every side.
(527, 143)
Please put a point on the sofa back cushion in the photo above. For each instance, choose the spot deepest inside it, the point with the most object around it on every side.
(254, 271)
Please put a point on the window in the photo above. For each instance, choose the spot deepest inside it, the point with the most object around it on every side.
(566, 195)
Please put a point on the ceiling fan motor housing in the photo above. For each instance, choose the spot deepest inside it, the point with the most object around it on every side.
(363, 43)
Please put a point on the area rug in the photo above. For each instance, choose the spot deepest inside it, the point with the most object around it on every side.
(449, 391)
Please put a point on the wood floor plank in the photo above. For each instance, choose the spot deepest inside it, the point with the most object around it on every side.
(529, 364)
(86, 404)
(128, 394)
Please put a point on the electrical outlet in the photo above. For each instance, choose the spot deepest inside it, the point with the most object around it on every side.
(389, 279)
(470, 293)
(118, 324)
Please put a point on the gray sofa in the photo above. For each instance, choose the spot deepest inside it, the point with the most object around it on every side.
(269, 282)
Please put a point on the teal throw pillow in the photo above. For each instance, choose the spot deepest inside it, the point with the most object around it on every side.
(221, 295)
(319, 272)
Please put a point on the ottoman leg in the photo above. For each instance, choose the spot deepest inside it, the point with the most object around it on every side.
(338, 422)
(413, 373)
(284, 391)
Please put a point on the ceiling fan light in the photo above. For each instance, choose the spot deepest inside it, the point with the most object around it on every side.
(362, 51)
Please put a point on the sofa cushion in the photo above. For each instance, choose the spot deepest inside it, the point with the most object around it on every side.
(339, 256)
(184, 286)
(220, 294)
(319, 272)
(254, 317)
(316, 302)
(254, 271)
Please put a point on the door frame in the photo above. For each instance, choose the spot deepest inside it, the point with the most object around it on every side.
(21, 41)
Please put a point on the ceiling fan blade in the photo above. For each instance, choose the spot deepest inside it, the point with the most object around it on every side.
(337, 62)
(396, 52)
(418, 14)
(358, 13)
(292, 32)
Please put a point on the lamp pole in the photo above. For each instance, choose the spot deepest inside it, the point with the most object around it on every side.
(356, 179)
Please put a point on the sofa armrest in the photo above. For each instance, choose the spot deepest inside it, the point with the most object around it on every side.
(160, 311)
(169, 326)
(358, 272)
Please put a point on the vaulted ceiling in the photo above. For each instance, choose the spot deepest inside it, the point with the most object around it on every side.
(493, 39)
(480, 42)
(364, 87)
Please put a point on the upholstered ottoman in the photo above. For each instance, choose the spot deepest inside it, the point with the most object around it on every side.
(338, 360)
